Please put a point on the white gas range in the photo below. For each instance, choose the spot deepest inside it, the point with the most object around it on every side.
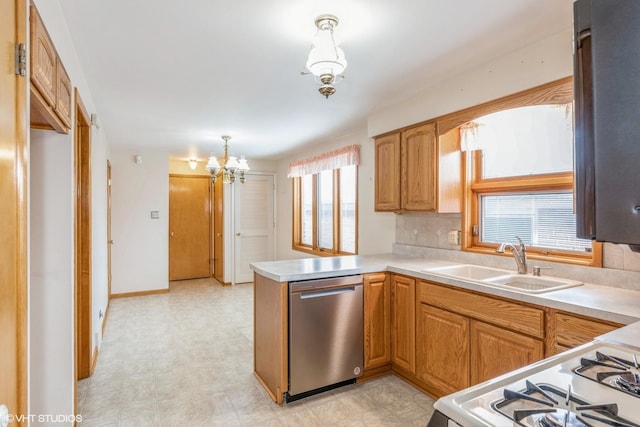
(597, 384)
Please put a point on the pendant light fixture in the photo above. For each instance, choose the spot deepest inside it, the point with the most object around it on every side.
(227, 166)
(326, 60)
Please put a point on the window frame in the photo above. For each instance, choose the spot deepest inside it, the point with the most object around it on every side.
(558, 92)
(314, 248)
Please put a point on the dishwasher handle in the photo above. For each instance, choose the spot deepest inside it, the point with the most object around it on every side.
(326, 293)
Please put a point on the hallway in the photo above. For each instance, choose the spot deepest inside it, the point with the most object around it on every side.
(186, 358)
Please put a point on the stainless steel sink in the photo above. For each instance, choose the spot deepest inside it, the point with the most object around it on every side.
(468, 271)
(532, 284)
(505, 279)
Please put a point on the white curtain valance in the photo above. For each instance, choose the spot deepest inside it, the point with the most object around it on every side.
(471, 136)
(345, 156)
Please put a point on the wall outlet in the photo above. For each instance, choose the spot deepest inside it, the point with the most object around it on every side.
(453, 237)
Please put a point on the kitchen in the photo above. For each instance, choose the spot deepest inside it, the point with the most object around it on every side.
(538, 63)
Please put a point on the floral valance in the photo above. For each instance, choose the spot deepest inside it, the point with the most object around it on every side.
(345, 156)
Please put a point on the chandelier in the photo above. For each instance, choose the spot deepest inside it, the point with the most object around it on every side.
(228, 166)
(326, 60)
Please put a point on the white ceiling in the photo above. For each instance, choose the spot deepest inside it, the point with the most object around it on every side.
(176, 75)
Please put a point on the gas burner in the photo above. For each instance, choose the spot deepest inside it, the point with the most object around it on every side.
(544, 405)
(614, 372)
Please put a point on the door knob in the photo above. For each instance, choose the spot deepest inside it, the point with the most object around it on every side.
(238, 233)
(110, 242)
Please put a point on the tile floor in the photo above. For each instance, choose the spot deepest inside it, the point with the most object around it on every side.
(186, 358)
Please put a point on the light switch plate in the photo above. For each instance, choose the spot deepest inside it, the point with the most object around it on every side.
(155, 214)
(453, 237)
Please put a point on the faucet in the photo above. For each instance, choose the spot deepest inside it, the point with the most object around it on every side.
(519, 253)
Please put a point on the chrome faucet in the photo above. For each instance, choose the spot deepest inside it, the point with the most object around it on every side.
(519, 253)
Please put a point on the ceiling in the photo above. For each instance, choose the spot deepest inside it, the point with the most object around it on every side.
(176, 75)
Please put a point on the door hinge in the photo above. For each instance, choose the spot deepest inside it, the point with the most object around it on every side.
(20, 53)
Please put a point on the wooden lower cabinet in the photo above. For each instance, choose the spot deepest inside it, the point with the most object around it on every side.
(442, 349)
(495, 351)
(377, 320)
(403, 323)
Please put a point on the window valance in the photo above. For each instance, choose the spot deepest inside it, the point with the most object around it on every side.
(341, 157)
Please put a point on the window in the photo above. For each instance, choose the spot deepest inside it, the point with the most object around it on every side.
(325, 203)
(519, 181)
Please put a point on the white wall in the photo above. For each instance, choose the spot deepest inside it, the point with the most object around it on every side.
(542, 62)
(140, 260)
(45, 312)
(376, 230)
(51, 290)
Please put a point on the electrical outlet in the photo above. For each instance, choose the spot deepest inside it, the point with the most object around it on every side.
(453, 237)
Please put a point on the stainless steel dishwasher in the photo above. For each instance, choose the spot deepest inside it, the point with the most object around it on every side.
(325, 334)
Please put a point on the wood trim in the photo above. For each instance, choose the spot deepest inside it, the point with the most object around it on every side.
(140, 293)
(94, 360)
(83, 239)
(556, 181)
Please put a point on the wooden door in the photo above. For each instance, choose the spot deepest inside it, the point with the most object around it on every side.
(377, 320)
(403, 322)
(419, 168)
(253, 224)
(218, 231)
(189, 227)
(387, 173)
(442, 349)
(495, 351)
(13, 215)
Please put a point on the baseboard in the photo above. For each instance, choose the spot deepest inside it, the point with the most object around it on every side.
(371, 373)
(139, 294)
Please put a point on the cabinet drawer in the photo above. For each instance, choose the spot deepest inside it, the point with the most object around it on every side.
(510, 315)
(572, 331)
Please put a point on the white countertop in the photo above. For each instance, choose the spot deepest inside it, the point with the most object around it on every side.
(602, 302)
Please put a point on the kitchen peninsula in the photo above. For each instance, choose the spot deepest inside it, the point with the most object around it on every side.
(409, 311)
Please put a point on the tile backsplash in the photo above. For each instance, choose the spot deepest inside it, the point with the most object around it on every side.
(426, 234)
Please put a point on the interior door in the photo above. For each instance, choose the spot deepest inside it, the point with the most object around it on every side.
(189, 227)
(13, 216)
(253, 224)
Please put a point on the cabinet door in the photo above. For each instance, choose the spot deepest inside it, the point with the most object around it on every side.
(419, 168)
(566, 331)
(387, 173)
(495, 351)
(43, 59)
(63, 95)
(442, 349)
(377, 320)
(403, 322)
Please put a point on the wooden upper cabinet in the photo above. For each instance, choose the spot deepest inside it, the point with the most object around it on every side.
(418, 170)
(419, 167)
(377, 320)
(387, 173)
(51, 89)
(43, 59)
(64, 95)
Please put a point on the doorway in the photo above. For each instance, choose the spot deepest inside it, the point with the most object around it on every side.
(189, 227)
(254, 224)
(82, 155)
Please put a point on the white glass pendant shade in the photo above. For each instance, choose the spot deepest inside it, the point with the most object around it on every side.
(212, 165)
(243, 166)
(232, 164)
(325, 57)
